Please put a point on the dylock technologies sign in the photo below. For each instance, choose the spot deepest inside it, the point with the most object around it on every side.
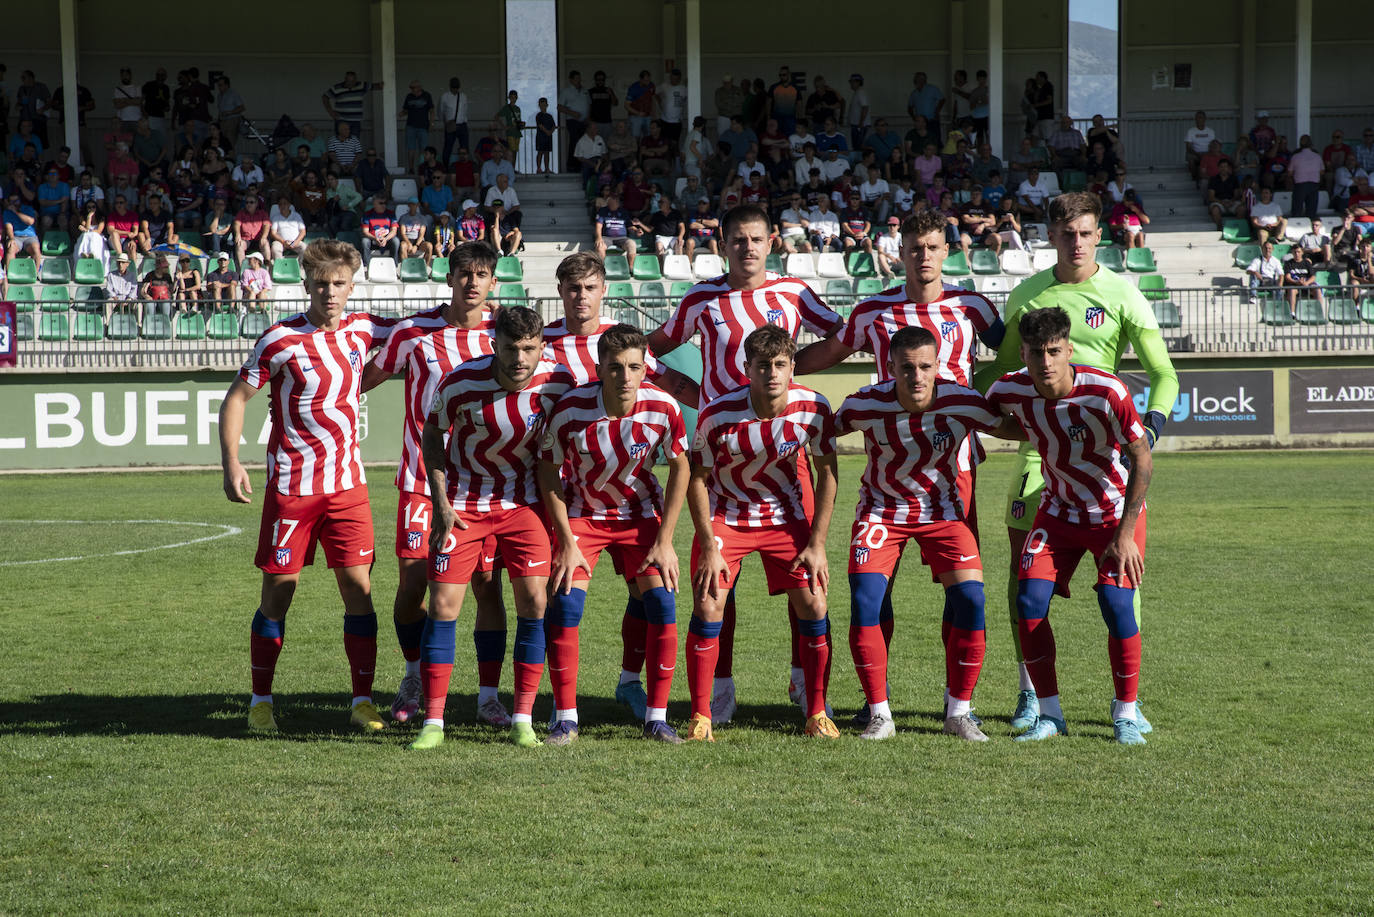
(1220, 403)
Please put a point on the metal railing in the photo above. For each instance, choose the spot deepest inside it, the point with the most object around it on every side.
(1203, 320)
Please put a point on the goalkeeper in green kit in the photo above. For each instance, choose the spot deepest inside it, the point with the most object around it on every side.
(1107, 313)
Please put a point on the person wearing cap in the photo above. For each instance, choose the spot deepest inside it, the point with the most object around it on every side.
(471, 226)
(443, 235)
(889, 249)
(858, 109)
(254, 283)
(121, 286)
(222, 282)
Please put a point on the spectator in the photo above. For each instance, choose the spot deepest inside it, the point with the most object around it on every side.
(212, 166)
(121, 287)
(319, 146)
(823, 227)
(574, 106)
(756, 106)
(437, 196)
(156, 290)
(246, 173)
(799, 138)
(1128, 221)
(858, 109)
(926, 101)
(1267, 219)
(1361, 207)
(156, 226)
(1196, 143)
(1300, 278)
(1343, 183)
(504, 216)
(958, 98)
(984, 164)
(32, 100)
(1360, 268)
(1042, 100)
(656, 154)
(672, 106)
(20, 221)
(443, 236)
(1265, 271)
(1030, 153)
(601, 103)
(157, 100)
(979, 100)
(668, 228)
(701, 229)
(904, 198)
(876, 195)
(214, 138)
(1099, 159)
(464, 173)
(122, 226)
(1008, 224)
(544, 127)
(250, 230)
(1118, 186)
(637, 194)
(343, 149)
(613, 228)
(692, 192)
(994, 190)
(371, 174)
(231, 110)
(495, 166)
(414, 234)
(783, 101)
(802, 168)
(1032, 196)
(589, 155)
(287, 230)
(471, 226)
(1068, 145)
(1364, 153)
(882, 141)
(1210, 164)
(199, 95)
(512, 122)
(978, 223)
(1307, 169)
(344, 101)
(639, 103)
(221, 283)
(1333, 156)
(417, 108)
(54, 202)
(379, 230)
(254, 284)
(824, 102)
(1223, 195)
(741, 138)
(90, 234)
(889, 250)
(1246, 161)
(187, 285)
(694, 147)
(854, 226)
(791, 226)
(219, 224)
(1262, 136)
(1275, 166)
(775, 151)
(1316, 243)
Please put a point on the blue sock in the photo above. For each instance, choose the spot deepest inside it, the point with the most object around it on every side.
(704, 628)
(408, 633)
(964, 605)
(361, 625)
(659, 606)
(264, 627)
(565, 610)
(635, 608)
(529, 641)
(817, 628)
(1118, 610)
(438, 641)
(490, 645)
(867, 599)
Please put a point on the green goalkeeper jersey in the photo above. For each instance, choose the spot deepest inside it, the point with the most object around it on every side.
(1106, 314)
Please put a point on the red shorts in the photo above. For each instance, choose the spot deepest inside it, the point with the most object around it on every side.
(965, 483)
(412, 532)
(291, 526)
(626, 540)
(520, 534)
(1053, 549)
(875, 547)
(778, 546)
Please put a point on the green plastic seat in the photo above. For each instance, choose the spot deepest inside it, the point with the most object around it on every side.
(286, 270)
(190, 326)
(253, 324)
(56, 244)
(1275, 312)
(1246, 254)
(54, 326)
(773, 263)
(1141, 260)
(679, 289)
(90, 271)
(89, 328)
(23, 327)
(1167, 314)
(969, 284)
(868, 286)
(438, 270)
(1310, 312)
(413, 270)
(646, 267)
(860, 264)
(223, 326)
(352, 236)
(956, 265)
(23, 298)
(620, 290)
(22, 271)
(617, 268)
(509, 269)
(1154, 287)
(1328, 278)
(55, 299)
(1281, 251)
(1111, 259)
(123, 327)
(1073, 180)
(512, 291)
(985, 262)
(157, 328)
(839, 292)
(315, 235)
(1236, 231)
(1343, 312)
(653, 295)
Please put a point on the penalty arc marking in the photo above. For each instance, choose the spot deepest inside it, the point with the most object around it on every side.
(224, 531)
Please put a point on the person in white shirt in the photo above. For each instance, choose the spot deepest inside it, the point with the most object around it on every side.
(695, 147)
(799, 138)
(246, 173)
(904, 198)
(1266, 218)
(453, 111)
(1032, 196)
(1196, 142)
(890, 249)
(287, 231)
(590, 151)
(672, 104)
(1317, 243)
(1264, 271)
(832, 167)
(801, 170)
(824, 227)
(792, 223)
(876, 195)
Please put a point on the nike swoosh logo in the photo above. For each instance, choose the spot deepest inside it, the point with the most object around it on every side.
(1131, 675)
(432, 360)
(665, 668)
(700, 649)
(365, 553)
(963, 557)
(488, 560)
(1035, 660)
(816, 646)
(974, 664)
(538, 563)
(722, 321)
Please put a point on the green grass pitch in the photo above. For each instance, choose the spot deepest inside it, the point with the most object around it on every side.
(129, 786)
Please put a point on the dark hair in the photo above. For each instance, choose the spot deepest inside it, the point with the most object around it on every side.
(768, 341)
(579, 265)
(473, 254)
(910, 337)
(744, 213)
(1071, 205)
(518, 323)
(1043, 326)
(923, 222)
(620, 338)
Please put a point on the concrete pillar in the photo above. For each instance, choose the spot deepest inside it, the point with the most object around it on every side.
(1302, 73)
(996, 89)
(1248, 102)
(692, 68)
(66, 15)
(384, 72)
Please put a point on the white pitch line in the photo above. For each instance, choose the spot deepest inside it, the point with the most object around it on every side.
(225, 532)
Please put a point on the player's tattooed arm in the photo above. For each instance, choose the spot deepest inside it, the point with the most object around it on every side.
(681, 387)
(660, 343)
(1121, 553)
(443, 517)
(568, 558)
(661, 553)
(237, 486)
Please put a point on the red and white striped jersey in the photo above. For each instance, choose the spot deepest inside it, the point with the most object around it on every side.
(956, 318)
(607, 463)
(912, 458)
(315, 375)
(724, 317)
(578, 352)
(1079, 437)
(495, 434)
(427, 348)
(753, 460)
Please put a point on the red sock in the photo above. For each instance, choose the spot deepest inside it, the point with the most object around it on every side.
(527, 675)
(633, 642)
(262, 659)
(796, 635)
(885, 625)
(562, 665)
(434, 676)
(725, 663)
(870, 660)
(964, 651)
(362, 662)
(702, 653)
(815, 653)
(662, 643)
(1124, 654)
(1037, 646)
(489, 673)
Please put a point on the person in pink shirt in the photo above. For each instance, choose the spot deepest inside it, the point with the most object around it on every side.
(1306, 168)
(254, 283)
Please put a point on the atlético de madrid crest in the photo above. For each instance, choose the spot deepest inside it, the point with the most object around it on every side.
(1095, 316)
